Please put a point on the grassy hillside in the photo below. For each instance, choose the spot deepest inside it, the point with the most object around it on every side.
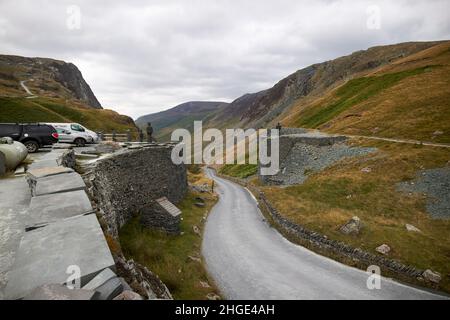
(409, 98)
(328, 199)
(14, 109)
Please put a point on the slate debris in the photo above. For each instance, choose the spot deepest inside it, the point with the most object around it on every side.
(435, 183)
(304, 154)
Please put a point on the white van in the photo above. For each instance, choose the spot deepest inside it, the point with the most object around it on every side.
(74, 133)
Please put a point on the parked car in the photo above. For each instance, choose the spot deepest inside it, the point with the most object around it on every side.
(75, 133)
(32, 135)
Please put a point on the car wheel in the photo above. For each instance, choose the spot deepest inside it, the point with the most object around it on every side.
(80, 142)
(32, 146)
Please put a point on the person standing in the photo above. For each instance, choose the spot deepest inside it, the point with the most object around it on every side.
(141, 135)
(278, 127)
(150, 133)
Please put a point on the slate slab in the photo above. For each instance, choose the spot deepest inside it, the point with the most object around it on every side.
(43, 163)
(58, 183)
(59, 292)
(100, 279)
(47, 172)
(44, 255)
(109, 290)
(53, 207)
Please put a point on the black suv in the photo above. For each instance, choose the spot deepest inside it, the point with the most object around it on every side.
(32, 135)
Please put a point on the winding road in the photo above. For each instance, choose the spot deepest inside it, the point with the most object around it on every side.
(248, 259)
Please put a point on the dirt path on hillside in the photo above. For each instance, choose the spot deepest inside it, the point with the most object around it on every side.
(409, 141)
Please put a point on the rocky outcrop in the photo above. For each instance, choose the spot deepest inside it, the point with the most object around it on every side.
(129, 181)
(51, 77)
(70, 77)
(353, 226)
(142, 280)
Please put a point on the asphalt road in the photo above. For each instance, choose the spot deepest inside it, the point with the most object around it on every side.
(248, 259)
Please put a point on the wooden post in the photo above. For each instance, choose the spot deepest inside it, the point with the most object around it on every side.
(128, 135)
(114, 135)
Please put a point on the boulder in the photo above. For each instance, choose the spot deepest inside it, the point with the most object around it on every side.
(353, 226)
(212, 296)
(128, 295)
(383, 249)
(67, 159)
(195, 259)
(411, 228)
(432, 276)
(196, 230)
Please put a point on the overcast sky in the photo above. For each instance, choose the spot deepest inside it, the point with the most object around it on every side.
(141, 57)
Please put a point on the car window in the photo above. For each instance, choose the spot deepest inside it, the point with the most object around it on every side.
(77, 127)
(9, 129)
(33, 129)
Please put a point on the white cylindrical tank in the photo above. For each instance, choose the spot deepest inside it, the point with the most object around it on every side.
(12, 153)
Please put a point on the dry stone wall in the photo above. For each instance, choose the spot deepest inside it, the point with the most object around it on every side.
(130, 180)
(301, 154)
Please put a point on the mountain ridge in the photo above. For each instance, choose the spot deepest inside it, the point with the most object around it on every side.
(313, 84)
(180, 116)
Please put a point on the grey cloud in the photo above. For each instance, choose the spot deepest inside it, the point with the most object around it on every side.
(144, 56)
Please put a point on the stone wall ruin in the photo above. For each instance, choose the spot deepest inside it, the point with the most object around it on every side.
(129, 181)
